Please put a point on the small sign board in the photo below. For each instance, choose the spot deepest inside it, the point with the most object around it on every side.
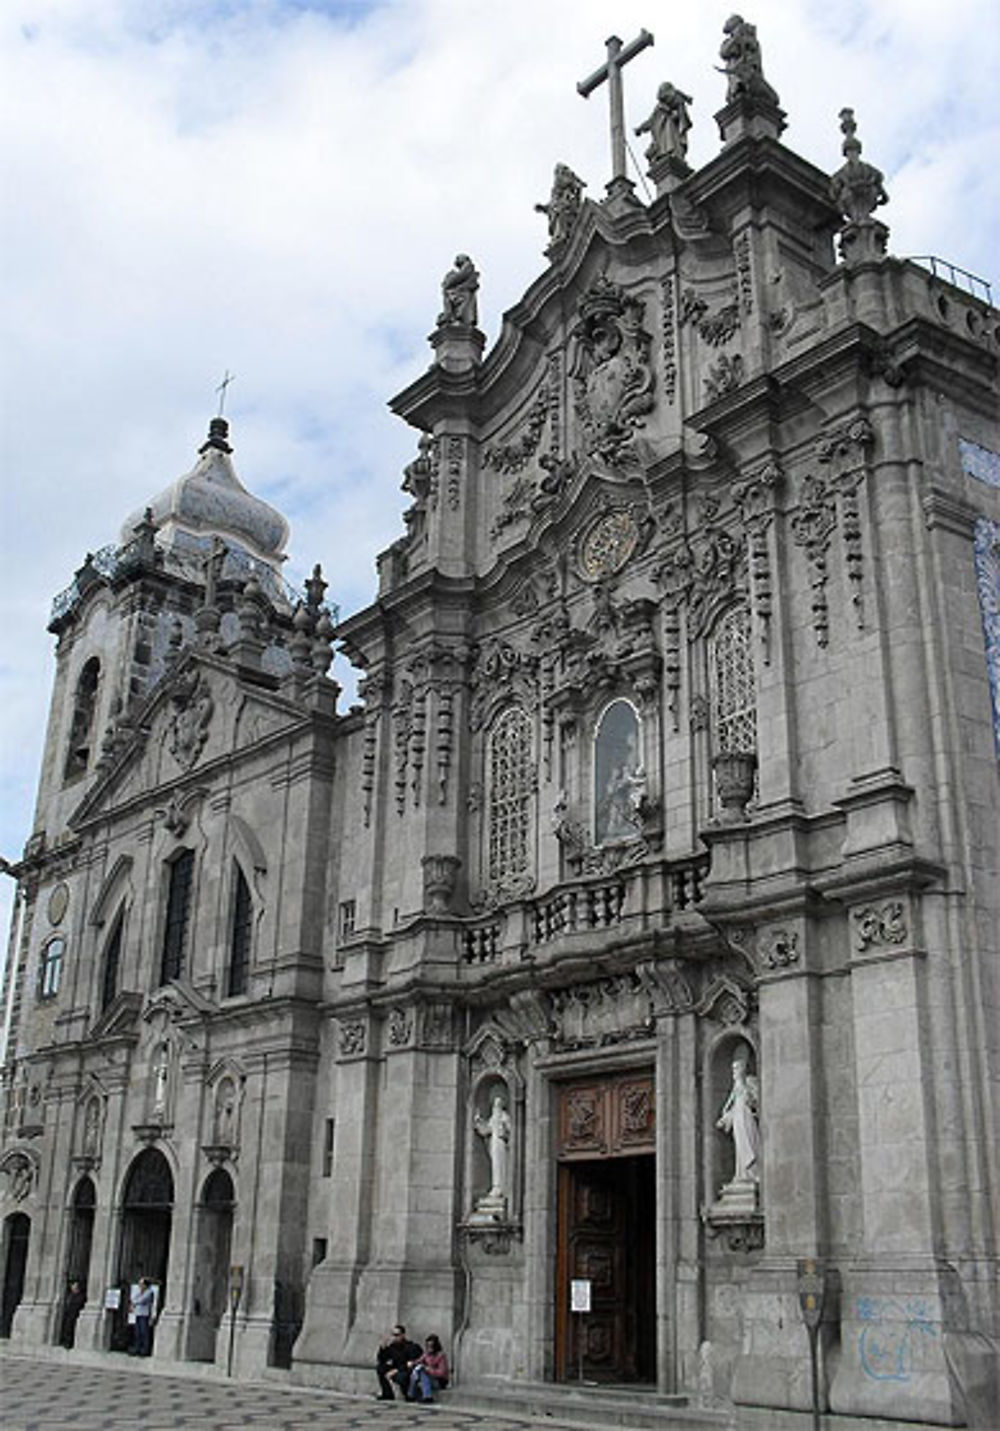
(112, 1299)
(579, 1294)
(811, 1289)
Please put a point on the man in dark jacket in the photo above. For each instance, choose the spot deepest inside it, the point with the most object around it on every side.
(392, 1364)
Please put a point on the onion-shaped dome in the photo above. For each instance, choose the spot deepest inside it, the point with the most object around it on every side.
(211, 501)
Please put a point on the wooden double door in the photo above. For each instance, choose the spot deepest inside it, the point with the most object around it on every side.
(607, 1231)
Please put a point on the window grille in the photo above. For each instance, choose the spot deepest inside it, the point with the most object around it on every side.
(112, 962)
(239, 941)
(50, 969)
(176, 922)
(347, 915)
(733, 686)
(510, 788)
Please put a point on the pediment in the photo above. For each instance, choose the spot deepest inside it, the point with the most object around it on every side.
(120, 1019)
(176, 1002)
(199, 712)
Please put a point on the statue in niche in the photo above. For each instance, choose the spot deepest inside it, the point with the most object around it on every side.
(495, 1130)
(225, 1113)
(668, 125)
(619, 777)
(738, 1117)
(161, 1074)
(563, 206)
(458, 295)
(742, 63)
(92, 1128)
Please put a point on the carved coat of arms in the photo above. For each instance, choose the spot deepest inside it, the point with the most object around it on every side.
(612, 377)
(193, 707)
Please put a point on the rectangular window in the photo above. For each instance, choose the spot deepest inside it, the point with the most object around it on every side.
(50, 968)
(176, 922)
(112, 962)
(345, 920)
(328, 1148)
(319, 1250)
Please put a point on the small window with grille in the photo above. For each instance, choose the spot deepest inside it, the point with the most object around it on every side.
(734, 696)
(346, 916)
(510, 771)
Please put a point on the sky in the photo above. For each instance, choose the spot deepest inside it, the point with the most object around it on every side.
(274, 188)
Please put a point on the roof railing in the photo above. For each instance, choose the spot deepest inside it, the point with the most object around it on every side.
(957, 277)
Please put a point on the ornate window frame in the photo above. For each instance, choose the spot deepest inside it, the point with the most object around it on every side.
(510, 783)
(732, 681)
(628, 783)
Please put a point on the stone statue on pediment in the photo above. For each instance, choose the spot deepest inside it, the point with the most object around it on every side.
(742, 63)
(857, 188)
(564, 205)
(668, 125)
(458, 295)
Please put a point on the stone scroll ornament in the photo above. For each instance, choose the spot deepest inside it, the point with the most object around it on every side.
(611, 373)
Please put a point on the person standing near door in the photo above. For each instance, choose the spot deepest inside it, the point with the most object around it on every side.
(143, 1299)
(72, 1307)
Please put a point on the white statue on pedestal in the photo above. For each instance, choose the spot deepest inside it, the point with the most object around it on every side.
(496, 1131)
(739, 1115)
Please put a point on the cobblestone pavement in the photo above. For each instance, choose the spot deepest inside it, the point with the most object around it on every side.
(51, 1395)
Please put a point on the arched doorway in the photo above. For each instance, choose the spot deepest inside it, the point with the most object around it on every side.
(81, 1232)
(147, 1207)
(213, 1241)
(16, 1232)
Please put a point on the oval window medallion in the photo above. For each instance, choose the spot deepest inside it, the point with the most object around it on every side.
(608, 543)
(58, 903)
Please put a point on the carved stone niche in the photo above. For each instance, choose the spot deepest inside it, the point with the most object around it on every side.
(494, 1144)
(733, 1150)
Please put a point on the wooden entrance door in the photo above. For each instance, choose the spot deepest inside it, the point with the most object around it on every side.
(606, 1230)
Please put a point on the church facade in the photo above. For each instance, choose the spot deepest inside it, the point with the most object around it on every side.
(632, 945)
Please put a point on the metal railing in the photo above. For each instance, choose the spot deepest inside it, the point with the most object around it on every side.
(957, 277)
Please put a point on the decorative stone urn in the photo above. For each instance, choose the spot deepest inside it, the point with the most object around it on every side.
(734, 777)
(440, 878)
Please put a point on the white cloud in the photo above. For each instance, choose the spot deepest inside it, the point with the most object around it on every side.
(277, 189)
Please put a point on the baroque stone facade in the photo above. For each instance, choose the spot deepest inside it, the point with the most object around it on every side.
(640, 923)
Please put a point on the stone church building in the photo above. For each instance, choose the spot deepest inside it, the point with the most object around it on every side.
(636, 936)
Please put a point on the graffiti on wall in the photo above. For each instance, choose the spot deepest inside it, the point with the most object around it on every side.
(892, 1334)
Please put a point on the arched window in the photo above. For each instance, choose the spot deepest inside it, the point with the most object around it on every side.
(50, 968)
(82, 727)
(112, 961)
(176, 920)
(618, 773)
(734, 704)
(239, 935)
(510, 786)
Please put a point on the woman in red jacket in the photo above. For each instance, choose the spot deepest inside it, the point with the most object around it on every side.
(430, 1373)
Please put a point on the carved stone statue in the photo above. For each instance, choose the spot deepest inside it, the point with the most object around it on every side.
(563, 206)
(857, 188)
(668, 125)
(738, 1117)
(743, 66)
(458, 295)
(496, 1131)
(161, 1074)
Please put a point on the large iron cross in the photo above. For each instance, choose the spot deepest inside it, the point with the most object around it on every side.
(611, 71)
